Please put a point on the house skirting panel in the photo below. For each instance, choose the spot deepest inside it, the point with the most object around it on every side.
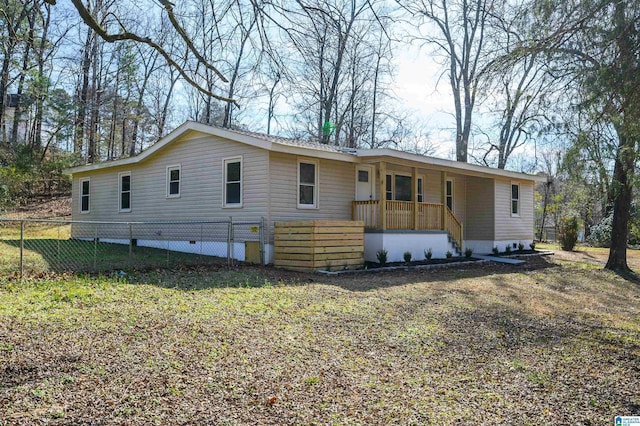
(486, 246)
(397, 243)
(205, 248)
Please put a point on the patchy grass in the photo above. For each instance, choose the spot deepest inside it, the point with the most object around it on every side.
(591, 255)
(545, 344)
(48, 247)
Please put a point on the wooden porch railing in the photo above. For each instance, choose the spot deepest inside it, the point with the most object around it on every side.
(453, 225)
(429, 216)
(368, 212)
(400, 216)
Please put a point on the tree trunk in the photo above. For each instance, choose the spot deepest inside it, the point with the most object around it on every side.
(622, 184)
(83, 93)
(624, 163)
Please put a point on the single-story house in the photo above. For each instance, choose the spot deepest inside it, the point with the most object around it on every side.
(408, 202)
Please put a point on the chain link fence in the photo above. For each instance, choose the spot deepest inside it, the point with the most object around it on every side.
(29, 247)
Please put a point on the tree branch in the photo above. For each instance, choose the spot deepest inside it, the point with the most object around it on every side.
(91, 22)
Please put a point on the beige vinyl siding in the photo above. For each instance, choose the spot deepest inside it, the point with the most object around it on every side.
(459, 197)
(480, 218)
(510, 227)
(336, 189)
(200, 161)
(431, 186)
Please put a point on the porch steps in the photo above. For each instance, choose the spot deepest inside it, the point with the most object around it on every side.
(454, 244)
(501, 260)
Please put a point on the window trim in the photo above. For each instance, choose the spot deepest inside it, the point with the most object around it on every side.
(120, 176)
(225, 161)
(446, 196)
(82, 195)
(316, 185)
(177, 167)
(517, 200)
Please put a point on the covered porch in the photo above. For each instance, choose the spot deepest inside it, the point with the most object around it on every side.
(397, 201)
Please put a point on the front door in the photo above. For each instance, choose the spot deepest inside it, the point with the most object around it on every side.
(365, 189)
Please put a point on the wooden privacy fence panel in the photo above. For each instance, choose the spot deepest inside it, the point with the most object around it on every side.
(319, 244)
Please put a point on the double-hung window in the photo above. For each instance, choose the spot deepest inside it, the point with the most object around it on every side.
(84, 195)
(232, 189)
(515, 199)
(125, 191)
(173, 181)
(307, 184)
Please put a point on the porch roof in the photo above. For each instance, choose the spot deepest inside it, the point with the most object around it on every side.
(406, 158)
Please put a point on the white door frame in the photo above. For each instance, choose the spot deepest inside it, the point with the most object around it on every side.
(372, 188)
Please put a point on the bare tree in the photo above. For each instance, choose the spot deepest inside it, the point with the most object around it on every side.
(458, 33)
(338, 57)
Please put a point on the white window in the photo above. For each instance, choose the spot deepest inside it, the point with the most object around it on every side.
(515, 199)
(125, 191)
(84, 195)
(232, 188)
(307, 184)
(449, 194)
(173, 181)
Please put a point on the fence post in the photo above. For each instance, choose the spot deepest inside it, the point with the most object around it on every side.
(21, 249)
(58, 244)
(130, 244)
(95, 247)
(201, 238)
(229, 241)
(261, 237)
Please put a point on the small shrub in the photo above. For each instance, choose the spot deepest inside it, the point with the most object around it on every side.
(382, 256)
(568, 233)
(507, 248)
(407, 256)
(495, 250)
(428, 254)
(520, 247)
(532, 245)
(468, 253)
(449, 254)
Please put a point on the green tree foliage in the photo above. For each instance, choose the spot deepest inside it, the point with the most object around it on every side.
(597, 43)
(568, 233)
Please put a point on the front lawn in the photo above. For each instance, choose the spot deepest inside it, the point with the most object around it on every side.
(494, 344)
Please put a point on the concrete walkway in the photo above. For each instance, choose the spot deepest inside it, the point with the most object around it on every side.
(501, 260)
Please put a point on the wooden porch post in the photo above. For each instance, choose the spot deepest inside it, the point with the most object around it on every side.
(382, 195)
(443, 199)
(414, 196)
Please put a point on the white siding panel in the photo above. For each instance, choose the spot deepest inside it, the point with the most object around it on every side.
(201, 183)
(509, 227)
